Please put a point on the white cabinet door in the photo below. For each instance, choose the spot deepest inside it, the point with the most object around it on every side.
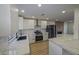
(19, 47)
(65, 52)
(57, 50)
(21, 23)
(28, 24)
(43, 24)
(22, 47)
(50, 48)
(54, 49)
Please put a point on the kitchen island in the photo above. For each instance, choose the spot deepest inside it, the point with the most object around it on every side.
(63, 45)
(19, 46)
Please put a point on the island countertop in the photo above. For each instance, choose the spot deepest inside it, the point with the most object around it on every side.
(67, 42)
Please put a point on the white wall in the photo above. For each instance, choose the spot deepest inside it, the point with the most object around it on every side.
(4, 20)
(8, 20)
(14, 20)
(4, 28)
(65, 27)
(76, 23)
(68, 27)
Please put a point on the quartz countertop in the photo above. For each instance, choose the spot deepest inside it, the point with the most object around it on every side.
(67, 42)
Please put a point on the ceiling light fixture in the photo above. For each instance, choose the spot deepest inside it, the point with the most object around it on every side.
(33, 16)
(16, 10)
(64, 11)
(22, 11)
(39, 5)
(47, 18)
(56, 19)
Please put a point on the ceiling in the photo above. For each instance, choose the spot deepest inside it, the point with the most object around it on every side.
(51, 11)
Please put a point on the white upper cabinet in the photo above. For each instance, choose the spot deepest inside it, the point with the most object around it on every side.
(43, 24)
(50, 23)
(28, 24)
(20, 23)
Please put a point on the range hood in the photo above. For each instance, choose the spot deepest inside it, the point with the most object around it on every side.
(37, 26)
(37, 23)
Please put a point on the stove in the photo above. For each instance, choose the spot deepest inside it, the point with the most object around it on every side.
(38, 35)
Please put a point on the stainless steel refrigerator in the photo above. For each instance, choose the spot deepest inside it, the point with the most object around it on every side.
(51, 29)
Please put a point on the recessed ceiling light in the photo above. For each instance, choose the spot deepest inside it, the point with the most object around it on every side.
(22, 11)
(33, 16)
(64, 11)
(16, 10)
(56, 19)
(39, 5)
(47, 18)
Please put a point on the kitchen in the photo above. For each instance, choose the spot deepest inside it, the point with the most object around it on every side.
(57, 25)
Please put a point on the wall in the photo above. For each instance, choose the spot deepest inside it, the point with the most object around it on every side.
(70, 28)
(59, 26)
(65, 27)
(4, 20)
(8, 20)
(14, 20)
(76, 23)
(4, 28)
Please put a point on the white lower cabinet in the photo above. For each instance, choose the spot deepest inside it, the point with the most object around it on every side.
(22, 47)
(19, 47)
(54, 49)
(57, 50)
(65, 52)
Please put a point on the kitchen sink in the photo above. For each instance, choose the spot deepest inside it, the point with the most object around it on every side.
(22, 38)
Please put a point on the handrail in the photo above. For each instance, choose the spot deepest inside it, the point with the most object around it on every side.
(12, 39)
